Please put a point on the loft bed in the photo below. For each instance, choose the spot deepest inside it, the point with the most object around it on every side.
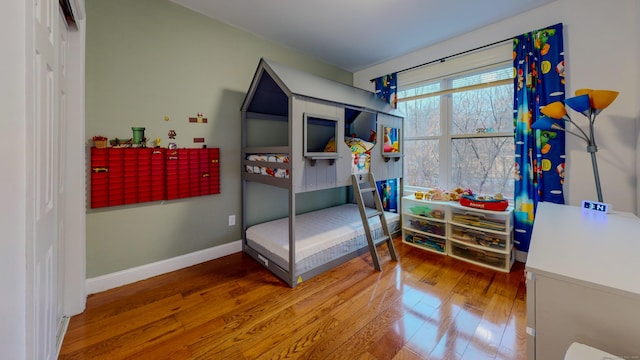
(303, 137)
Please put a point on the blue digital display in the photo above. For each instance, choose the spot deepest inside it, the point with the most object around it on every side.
(595, 206)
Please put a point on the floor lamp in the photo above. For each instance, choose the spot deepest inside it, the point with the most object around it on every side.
(587, 102)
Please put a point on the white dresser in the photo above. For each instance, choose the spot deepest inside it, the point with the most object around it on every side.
(583, 282)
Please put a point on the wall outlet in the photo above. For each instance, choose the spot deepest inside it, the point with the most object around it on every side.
(232, 220)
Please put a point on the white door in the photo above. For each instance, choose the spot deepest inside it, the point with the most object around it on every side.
(63, 47)
(44, 179)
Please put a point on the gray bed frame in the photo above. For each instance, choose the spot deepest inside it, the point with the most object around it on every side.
(273, 114)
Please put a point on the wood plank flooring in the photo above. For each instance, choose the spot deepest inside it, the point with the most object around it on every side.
(426, 306)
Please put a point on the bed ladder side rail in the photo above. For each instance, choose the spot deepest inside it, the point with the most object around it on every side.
(386, 237)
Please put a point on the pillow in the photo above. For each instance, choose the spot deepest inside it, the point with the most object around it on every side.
(331, 146)
(358, 146)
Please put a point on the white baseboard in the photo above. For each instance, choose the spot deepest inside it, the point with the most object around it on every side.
(128, 276)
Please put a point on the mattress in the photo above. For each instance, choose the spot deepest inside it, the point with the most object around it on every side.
(321, 236)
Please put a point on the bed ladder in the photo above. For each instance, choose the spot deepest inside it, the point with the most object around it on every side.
(366, 215)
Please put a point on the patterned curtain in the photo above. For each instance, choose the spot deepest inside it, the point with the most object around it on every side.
(387, 89)
(538, 60)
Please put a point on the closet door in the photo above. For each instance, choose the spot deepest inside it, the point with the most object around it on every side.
(44, 173)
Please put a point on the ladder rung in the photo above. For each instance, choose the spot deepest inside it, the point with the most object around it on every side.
(373, 214)
(366, 190)
(380, 240)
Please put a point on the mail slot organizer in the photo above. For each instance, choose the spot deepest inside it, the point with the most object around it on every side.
(121, 176)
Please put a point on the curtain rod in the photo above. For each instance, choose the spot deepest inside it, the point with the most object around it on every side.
(441, 60)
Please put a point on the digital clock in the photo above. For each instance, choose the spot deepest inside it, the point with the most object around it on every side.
(596, 206)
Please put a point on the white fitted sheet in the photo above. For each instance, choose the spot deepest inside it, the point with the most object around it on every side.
(321, 236)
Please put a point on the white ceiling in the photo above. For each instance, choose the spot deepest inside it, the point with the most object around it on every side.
(356, 34)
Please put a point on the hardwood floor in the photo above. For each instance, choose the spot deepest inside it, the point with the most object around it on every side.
(426, 306)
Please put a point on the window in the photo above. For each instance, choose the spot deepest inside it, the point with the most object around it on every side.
(458, 128)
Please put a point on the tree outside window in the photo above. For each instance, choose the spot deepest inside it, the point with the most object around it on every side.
(459, 132)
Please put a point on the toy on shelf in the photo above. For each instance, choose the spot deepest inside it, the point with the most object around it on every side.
(428, 212)
(138, 135)
(100, 141)
(436, 194)
(425, 226)
(121, 143)
(494, 203)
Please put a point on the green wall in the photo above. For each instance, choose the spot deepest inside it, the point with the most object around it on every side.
(147, 59)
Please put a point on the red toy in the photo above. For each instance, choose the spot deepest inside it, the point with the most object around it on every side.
(485, 204)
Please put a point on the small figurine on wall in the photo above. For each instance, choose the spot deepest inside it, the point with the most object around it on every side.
(198, 119)
(172, 134)
(157, 142)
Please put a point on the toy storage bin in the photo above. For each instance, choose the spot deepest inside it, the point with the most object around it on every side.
(425, 241)
(478, 256)
(483, 219)
(484, 238)
(426, 209)
(425, 225)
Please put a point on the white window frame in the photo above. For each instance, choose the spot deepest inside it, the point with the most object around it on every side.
(488, 58)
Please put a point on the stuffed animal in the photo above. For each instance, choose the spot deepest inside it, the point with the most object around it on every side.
(434, 194)
(372, 136)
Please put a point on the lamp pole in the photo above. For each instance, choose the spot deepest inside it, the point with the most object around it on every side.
(592, 149)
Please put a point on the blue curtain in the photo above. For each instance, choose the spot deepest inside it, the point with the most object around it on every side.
(538, 60)
(387, 89)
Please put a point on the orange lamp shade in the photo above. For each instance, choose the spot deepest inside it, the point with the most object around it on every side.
(555, 110)
(600, 99)
(584, 92)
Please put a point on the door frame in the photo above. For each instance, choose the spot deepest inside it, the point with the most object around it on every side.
(74, 273)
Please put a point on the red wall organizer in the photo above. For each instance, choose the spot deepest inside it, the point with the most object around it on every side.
(121, 176)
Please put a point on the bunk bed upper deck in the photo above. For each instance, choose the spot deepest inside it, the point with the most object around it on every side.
(274, 121)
